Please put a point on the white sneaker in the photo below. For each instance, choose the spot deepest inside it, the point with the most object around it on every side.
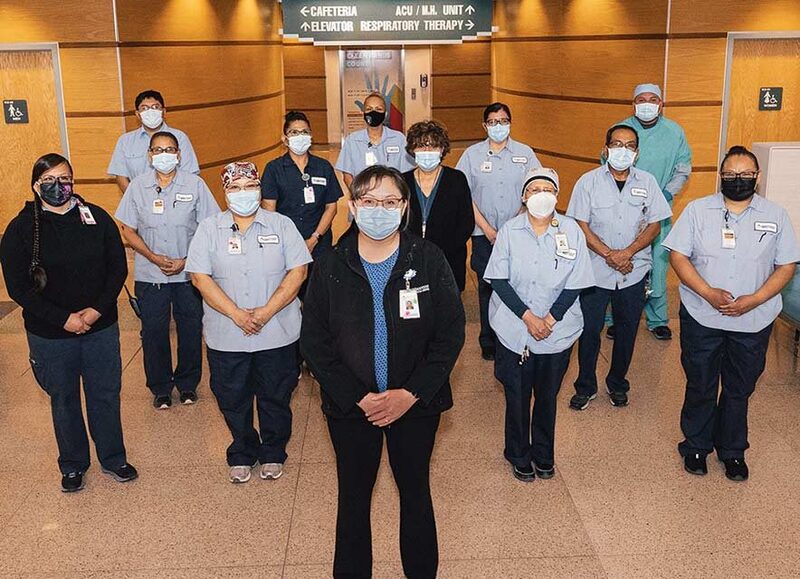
(271, 470)
(239, 474)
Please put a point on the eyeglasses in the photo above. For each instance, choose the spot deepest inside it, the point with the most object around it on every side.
(495, 122)
(630, 145)
(240, 188)
(159, 150)
(63, 179)
(298, 132)
(730, 175)
(546, 190)
(143, 108)
(370, 203)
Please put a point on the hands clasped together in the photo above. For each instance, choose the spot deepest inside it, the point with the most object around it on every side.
(387, 407)
(250, 321)
(728, 305)
(539, 328)
(82, 321)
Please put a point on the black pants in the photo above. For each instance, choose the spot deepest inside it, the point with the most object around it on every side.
(530, 437)
(269, 376)
(481, 252)
(58, 366)
(158, 302)
(626, 306)
(358, 445)
(710, 420)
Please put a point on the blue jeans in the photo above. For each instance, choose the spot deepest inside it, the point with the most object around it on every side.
(269, 376)
(157, 302)
(58, 366)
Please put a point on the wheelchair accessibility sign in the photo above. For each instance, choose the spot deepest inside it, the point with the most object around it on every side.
(15, 112)
(770, 98)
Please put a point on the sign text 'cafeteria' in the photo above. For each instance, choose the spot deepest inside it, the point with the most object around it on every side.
(386, 22)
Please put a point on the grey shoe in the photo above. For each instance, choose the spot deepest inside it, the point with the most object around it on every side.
(239, 474)
(271, 470)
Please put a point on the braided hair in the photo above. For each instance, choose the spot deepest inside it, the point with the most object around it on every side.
(41, 166)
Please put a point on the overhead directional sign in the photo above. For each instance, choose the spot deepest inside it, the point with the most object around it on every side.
(370, 22)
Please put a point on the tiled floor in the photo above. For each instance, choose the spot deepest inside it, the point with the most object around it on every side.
(620, 505)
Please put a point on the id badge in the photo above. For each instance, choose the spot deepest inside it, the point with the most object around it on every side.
(728, 238)
(486, 167)
(370, 159)
(308, 194)
(158, 206)
(234, 246)
(86, 215)
(561, 242)
(409, 305)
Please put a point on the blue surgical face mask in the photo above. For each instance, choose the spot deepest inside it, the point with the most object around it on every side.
(244, 203)
(299, 144)
(378, 222)
(165, 163)
(428, 160)
(646, 112)
(499, 133)
(621, 158)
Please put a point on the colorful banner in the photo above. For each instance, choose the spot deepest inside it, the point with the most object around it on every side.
(367, 71)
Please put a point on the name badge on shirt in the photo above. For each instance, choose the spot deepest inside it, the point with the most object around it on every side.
(567, 253)
(393, 149)
(308, 194)
(158, 206)
(486, 167)
(269, 239)
(370, 159)
(183, 198)
(86, 215)
(409, 305)
(234, 246)
(728, 238)
(766, 226)
(561, 242)
(638, 192)
(519, 159)
(319, 181)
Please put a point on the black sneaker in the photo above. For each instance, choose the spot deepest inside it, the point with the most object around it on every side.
(72, 482)
(487, 354)
(188, 397)
(736, 469)
(524, 473)
(581, 401)
(610, 332)
(662, 333)
(695, 464)
(618, 399)
(125, 473)
(162, 402)
(544, 470)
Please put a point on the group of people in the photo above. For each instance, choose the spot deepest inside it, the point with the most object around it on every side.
(378, 317)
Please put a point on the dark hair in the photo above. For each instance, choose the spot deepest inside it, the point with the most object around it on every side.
(739, 151)
(148, 94)
(427, 134)
(293, 116)
(616, 128)
(40, 167)
(369, 178)
(166, 135)
(495, 108)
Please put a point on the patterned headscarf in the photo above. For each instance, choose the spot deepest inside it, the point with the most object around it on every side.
(238, 169)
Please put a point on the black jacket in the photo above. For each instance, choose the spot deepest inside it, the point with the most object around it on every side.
(451, 219)
(337, 334)
(85, 265)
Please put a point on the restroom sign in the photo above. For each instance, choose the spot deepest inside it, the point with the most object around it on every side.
(770, 98)
(15, 112)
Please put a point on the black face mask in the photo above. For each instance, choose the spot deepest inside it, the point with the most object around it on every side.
(739, 189)
(374, 118)
(55, 193)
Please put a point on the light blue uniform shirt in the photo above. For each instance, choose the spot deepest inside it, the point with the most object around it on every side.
(270, 247)
(186, 202)
(391, 152)
(618, 217)
(664, 153)
(130, 155)
(538, 273)
(764, 239)
(496, 179)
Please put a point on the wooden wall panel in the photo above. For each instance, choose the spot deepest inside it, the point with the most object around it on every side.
(303, 60)
(48, 21)
(701, 125)
(696, 70)
(91, 142)
(211, 175)
(569, 171)
(462, 124)
(319, 125)
(304, 93)
(734, 15)
(455, 91)
(470, 57)
(90, 77)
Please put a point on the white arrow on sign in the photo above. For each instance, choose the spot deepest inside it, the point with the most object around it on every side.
(304, 11)
(470, 25)
(469, 9)
(305, 26)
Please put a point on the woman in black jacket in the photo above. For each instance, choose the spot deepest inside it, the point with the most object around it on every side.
(441, 203)
(64, 263)
(382, 328)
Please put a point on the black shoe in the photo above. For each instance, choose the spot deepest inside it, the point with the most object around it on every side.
(581, 401)
(736, 469)
(544, 470)
(487, 354)
(662, 333)
(72, 482)
(524, 473)
(188, 397)
(618, 399)
(695, 464)
(125, 473)
(610, 332)
(162, 402)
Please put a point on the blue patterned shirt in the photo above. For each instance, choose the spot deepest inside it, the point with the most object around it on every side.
(378, 276)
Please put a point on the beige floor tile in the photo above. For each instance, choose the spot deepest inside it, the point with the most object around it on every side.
(268, 572)
(546, 567)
